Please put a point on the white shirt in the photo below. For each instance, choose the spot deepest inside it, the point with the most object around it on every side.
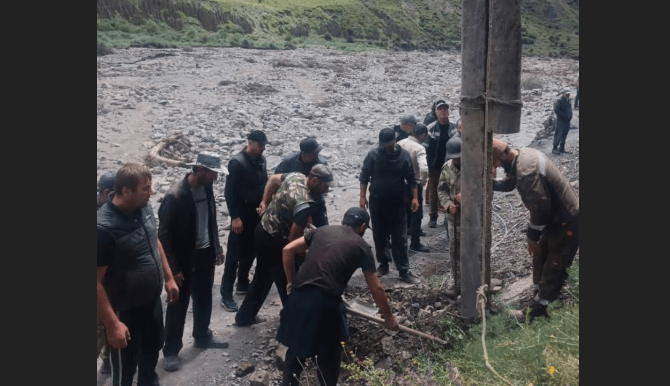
(417, 153)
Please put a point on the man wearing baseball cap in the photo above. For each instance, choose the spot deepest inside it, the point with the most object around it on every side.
(563, 110)
(243, 192)
(439, 132)
(302, 161)
(190, 237)
(286, 210)
(313, 321)
(388, 168)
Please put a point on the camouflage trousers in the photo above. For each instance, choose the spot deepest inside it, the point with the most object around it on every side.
(454, 231)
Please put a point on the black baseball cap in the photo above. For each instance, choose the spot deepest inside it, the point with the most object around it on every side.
(107, 180)
(258, 136)
(309, 145)
(386, 136)
(355, 216)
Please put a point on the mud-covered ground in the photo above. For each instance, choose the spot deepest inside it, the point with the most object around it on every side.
(191, 100)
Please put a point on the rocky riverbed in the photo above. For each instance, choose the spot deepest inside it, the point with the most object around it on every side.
(188, 100)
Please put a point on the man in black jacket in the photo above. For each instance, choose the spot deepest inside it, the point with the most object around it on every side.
(563, 110)
(302, 161)
(189, 234)
(439, 132)
(244, 191)
(389, 169)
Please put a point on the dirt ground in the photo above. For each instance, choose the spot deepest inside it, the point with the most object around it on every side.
(146, 95)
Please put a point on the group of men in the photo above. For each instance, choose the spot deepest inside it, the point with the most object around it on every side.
(281, 221)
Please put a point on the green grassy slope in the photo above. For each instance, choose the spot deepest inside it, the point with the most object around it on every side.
(551, 27)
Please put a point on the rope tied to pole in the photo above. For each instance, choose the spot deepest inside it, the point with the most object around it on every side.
(481, 307)
(482, 99)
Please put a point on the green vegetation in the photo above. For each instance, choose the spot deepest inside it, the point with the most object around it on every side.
(550, 27)
(542, 352)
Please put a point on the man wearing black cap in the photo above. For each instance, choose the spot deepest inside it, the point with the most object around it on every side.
(190, 237)
(302, 161)
(244, 190)
(314, 320)
(404, 130)
(106, 186)
(389, 169)
(286, 209)
(439, 133)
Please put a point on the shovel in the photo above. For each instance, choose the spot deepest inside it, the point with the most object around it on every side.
(368, 311)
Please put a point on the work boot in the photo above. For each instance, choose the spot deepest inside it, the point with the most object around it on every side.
(562, 150)
(171, 363)
(432, 223)
(555, 151)
(210, 342)
(537, 309)
(419, 248)
(408, 277)
(383, 269)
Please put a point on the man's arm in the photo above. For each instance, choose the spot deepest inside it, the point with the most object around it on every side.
(231, 192)
(271, 187)
(378, 294)
(363, 201)
(444, 190)
(171, 286)
(289, 253)
(166, 218)
(118, 334)
(423, 165)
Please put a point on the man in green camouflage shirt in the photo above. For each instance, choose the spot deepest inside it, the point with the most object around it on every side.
(449, 193)
(286, 209)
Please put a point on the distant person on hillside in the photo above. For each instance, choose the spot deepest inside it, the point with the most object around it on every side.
(577, 96)
(563, 110)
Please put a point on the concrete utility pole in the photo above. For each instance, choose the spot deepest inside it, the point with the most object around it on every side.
(490, 103)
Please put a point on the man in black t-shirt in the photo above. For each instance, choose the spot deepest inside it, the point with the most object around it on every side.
(314, 320)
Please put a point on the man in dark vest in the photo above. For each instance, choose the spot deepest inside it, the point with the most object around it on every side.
(131, 269)
(244, 191)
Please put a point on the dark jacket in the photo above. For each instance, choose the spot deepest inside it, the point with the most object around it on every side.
(135, 275)
(400, 134)
(430, 118)
(245, 184)
(563, 111)
(177, 224)
(436, 143)
(389, 174)
(291, 163)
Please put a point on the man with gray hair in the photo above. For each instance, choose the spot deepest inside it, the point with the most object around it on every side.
(189, 234)
(404, 130)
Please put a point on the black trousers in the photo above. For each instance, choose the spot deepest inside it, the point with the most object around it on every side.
(389, 218)
(145, 324)
(197, 284)
(240, 255)
(560, 135)
(414, 218)
(327, 362)
(269, 269)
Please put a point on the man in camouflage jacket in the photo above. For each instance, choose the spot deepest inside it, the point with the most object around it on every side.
(449, 193)
(286, 209)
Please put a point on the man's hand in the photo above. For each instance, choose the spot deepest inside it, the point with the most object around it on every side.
(178, 278)
(118, 336)
(457, 199)
(289, 286)
(391, 323)
(220, 257)
(415, 205)
(261, 209)
(172, 290)
(533, 247)
(453, 209)
(237, 226)
(363, 203)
